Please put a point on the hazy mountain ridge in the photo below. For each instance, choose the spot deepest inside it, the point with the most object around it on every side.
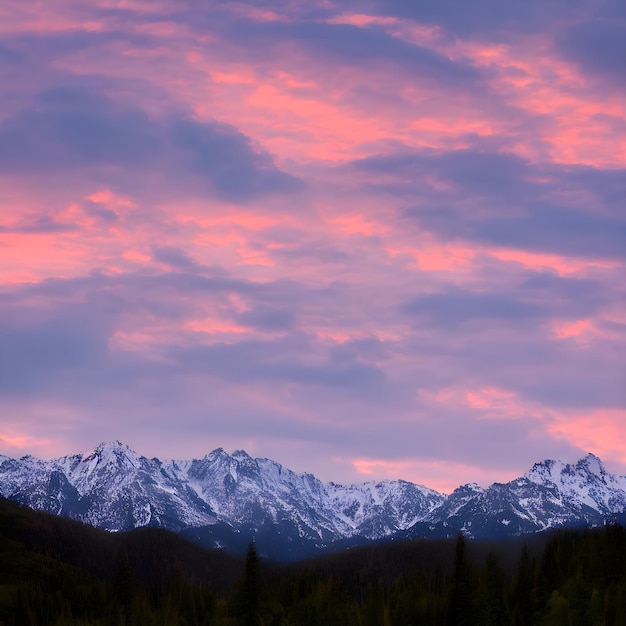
(115, 488)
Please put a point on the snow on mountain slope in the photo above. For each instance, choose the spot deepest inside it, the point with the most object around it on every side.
(455, 502)
(115, 488)
(551, 494)
(112, 487)
(585, 484)
(38, 484)
(512, 508)
(377, 510)
(243, 490)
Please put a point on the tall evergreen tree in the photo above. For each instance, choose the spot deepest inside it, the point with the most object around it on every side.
(125, 587)
(497, 613)
(246, 602)
(523, 595)
(461, 609)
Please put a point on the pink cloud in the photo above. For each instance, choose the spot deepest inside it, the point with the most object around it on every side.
(543, 84)
(110, 199)
(601, 431)
(486, 403)
(435, 257)
(15, 443)
(572, 329)
(539, 261)
(442, 475)
(491, 398)
(339, 258)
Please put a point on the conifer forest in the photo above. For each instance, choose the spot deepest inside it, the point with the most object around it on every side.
(56, 571)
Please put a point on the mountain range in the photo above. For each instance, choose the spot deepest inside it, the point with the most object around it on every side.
(222, 500)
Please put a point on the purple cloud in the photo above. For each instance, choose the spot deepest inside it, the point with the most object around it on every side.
(330, 233)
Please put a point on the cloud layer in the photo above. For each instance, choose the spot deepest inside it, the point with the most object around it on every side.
(369, 240)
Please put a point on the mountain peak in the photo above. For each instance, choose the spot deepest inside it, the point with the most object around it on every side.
(546, 471)
(592, 464)
(110, 451)
(115, 444)
(116, 488)
(468, 488)
(218, 452)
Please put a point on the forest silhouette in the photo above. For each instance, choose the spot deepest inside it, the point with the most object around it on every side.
(58, 571)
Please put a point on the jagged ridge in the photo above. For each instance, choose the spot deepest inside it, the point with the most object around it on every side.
(115, 488)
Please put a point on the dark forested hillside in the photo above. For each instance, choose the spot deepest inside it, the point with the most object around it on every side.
(58, 571)
(55, 571)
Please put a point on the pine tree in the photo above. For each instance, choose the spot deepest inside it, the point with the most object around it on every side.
(497, 613)
(125, 587)
(523, 597)
(461, 609)
(246, 599)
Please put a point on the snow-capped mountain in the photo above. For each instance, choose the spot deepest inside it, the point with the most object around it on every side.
(551, 494)
(115, 488)
(111, 487)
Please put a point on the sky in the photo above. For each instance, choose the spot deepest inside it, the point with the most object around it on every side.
(373, 239)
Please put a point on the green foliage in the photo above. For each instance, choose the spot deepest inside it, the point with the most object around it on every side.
(59, 572)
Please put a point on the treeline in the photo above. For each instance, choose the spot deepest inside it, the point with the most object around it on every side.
(55, 571)
(566, 578)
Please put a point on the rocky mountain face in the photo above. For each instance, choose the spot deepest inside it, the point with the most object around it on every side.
(114, 488)
(551, 494)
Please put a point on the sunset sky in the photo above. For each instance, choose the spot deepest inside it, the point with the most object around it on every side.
(373, 239)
